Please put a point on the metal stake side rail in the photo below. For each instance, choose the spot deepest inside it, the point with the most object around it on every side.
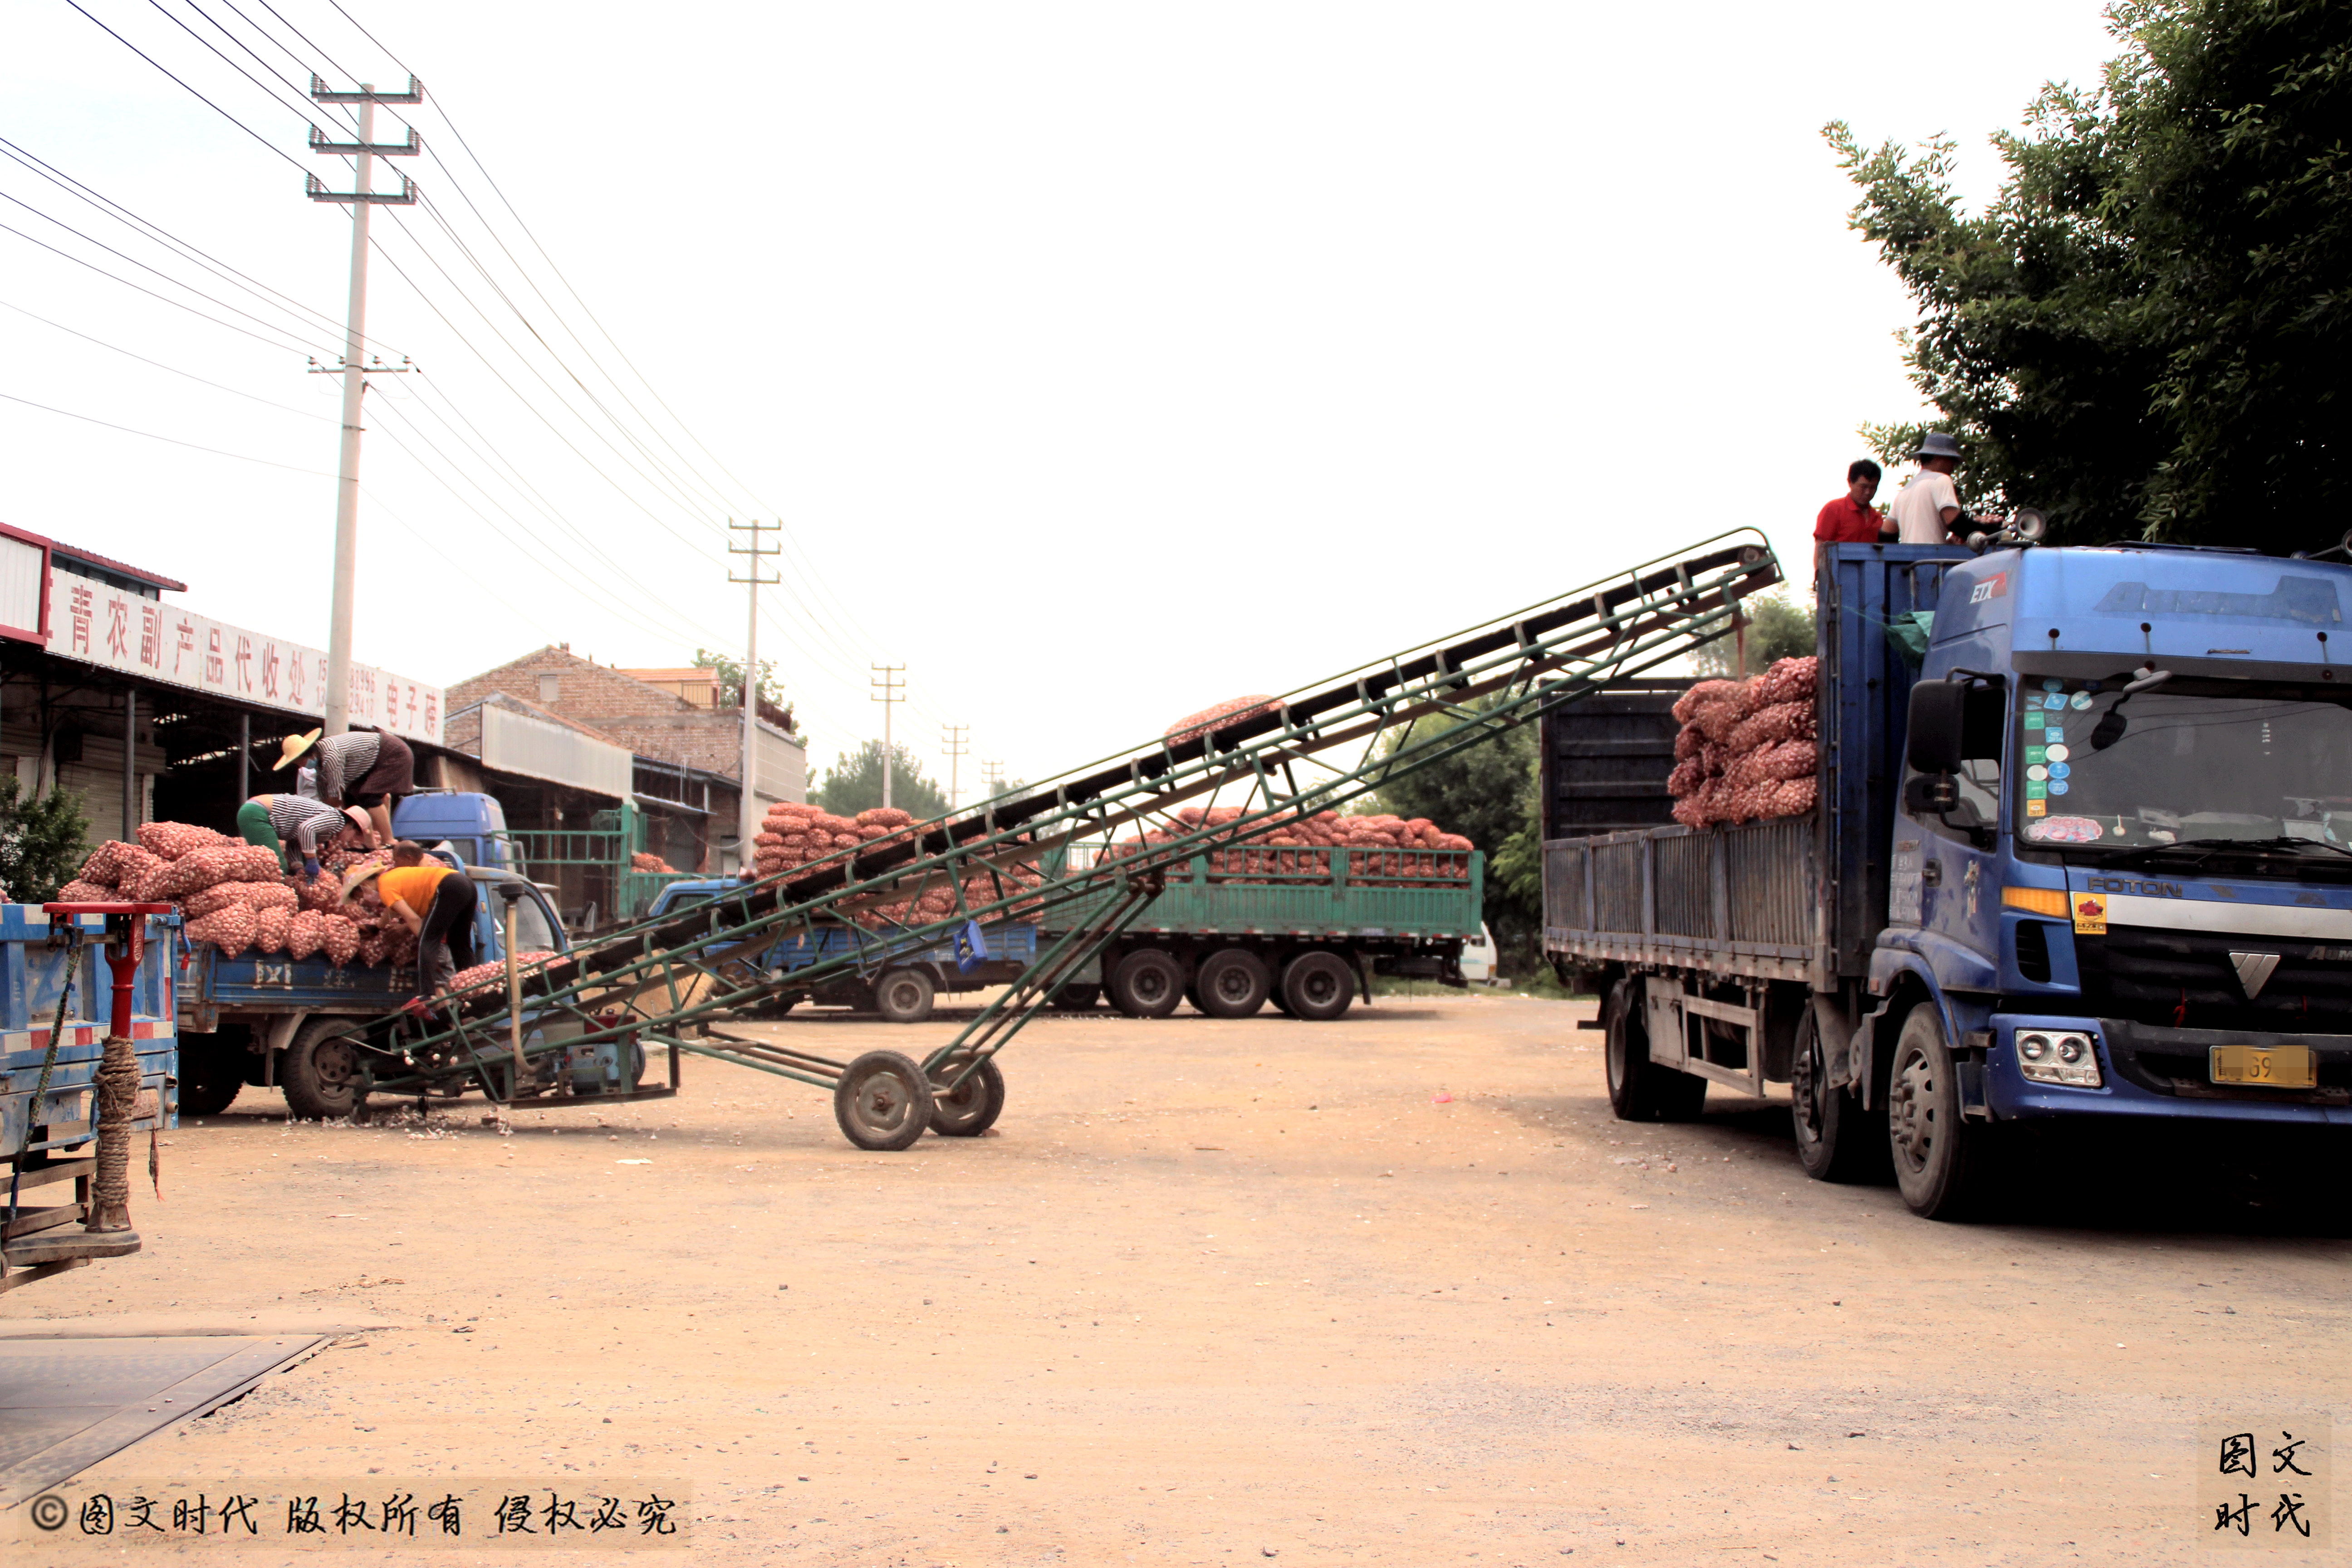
(659, 977)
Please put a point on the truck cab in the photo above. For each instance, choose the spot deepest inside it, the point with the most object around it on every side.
(2119, 884)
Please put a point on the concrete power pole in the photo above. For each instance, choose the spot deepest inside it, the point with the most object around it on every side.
(957, 742)
(992, 777)
(749, 826)
(887, 686)
(354, 368)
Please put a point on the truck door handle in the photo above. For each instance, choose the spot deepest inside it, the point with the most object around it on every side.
(1932, 874)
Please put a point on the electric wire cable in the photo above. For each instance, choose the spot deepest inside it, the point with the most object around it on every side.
(20, 234)
(152, 436)
(159, 364)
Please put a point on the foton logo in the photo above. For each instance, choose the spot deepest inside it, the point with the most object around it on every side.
(1994, 587)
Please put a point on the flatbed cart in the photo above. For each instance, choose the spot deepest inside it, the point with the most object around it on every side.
(662, 982)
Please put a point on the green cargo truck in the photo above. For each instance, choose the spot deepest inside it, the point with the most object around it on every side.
(1302, 929)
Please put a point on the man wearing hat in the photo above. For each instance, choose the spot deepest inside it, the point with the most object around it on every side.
(312, 826)
(1929, 507)
(366, 768)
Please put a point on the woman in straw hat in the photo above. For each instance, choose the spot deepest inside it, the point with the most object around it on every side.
(366, 768)
(310, 826)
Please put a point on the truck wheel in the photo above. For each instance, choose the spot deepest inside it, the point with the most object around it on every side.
(1939, 1158)
(973, 1107)
(1077, 998)
(1318, 986)
(212, 1071)
(322, 1072)
(1639, 1088)
(883, 1101)
(904, 996)
(1836, 1138)
(1233, 984)
(1147, 985)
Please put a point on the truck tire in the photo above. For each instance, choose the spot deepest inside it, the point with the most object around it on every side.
(1940, 1158)
(1233, 984)
(1837, 1140)
(1639, 1088)
(322, 1072)
(1317, 985)
(904, 996)
(973, 1107)
(212, 1071)
(882, 1101)
(1076, 997)
(1147, 985)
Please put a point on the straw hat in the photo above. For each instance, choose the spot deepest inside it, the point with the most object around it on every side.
(295, 746)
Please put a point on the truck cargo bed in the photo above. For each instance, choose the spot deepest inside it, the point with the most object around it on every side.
(1728, 900)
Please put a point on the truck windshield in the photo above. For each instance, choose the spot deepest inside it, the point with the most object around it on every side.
(2186, 762)
(532, 932)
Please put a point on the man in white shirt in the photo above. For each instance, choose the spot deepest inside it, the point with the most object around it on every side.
(1929, 507)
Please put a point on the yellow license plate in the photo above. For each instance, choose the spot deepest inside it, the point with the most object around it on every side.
(2270, 1067)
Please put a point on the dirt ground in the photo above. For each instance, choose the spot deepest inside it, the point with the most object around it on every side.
(1391, 1290)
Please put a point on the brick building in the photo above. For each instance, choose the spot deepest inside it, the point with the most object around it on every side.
(688, 753)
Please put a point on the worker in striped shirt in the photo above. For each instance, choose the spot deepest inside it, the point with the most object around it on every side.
(311, 827)
(366, 768)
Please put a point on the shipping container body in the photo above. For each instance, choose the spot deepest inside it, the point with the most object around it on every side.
(53, 1130)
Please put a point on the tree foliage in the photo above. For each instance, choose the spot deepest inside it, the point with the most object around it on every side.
(2147, 335)
(855, 784)
(43, 842)
(731, 678)
(1486, 793)
(1778, 628)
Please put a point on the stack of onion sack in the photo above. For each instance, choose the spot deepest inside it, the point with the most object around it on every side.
(230, 894)
(642, 861)
(525, 962)
(796, 834)
(1208, 718)
(1288, 844)
(1748, 749)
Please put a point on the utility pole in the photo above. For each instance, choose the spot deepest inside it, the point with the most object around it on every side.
(887, 686)
(992, 777)
(749, 826)
(354, 369)
(957, 744)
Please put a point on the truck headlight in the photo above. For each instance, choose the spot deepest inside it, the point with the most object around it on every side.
(2052, 1056)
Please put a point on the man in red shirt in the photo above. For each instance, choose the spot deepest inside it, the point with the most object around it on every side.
(1851, 519)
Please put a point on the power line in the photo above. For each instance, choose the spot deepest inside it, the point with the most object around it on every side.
(175, 304)
(208, 103)
(150, 436)
(159, 364)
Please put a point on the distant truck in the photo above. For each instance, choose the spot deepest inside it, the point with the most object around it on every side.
(2090, 861)
(48, 1130)
(1227, 944)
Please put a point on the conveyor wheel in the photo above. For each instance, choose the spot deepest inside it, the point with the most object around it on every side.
(971, 1108)
(883, 1101)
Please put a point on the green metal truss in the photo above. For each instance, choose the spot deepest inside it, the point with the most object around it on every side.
(661, 980)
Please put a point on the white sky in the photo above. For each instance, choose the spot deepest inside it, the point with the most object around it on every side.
(1104, 360)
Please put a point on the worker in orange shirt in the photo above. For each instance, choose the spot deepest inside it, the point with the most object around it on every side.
(437, 905)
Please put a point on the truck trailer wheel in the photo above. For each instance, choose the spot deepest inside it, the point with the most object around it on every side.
(1233, 984)
(1837, 1140)
(973, 1107)
(904, 996)
(212, 1071)
(1317, 985)
(883, 1101)
(1077, 998)
(322, 1072)
(1940, 1160)
(1147, 985)
(1639, 1088)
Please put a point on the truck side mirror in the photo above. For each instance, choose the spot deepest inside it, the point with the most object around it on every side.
(1932, 741)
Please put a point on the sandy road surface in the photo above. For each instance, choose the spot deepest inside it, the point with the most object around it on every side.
(1221, 1290)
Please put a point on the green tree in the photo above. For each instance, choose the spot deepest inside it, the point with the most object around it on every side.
(43, 842)
(1487, 794)
(731, 678)
(855, 784)
(1778, 628)
(2147, 333)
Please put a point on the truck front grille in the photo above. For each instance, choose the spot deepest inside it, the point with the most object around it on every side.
(2186, 980)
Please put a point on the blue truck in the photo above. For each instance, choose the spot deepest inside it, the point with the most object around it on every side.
(2082, 854)
(48, 1123)
(274, 1020)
